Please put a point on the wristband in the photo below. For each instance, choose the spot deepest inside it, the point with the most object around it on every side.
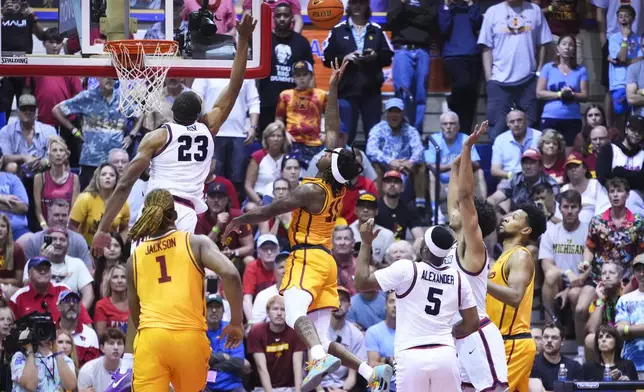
(599, 303)
(216, 229)
(642, 91)
(287, 225)
(625, 330)
(566, 272)
(43, 224)
(509, 176)
(76, 133)
(559, 94)
(624, 45)
(549, 8)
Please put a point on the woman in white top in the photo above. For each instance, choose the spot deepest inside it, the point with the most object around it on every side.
(265, 165)
(578, 177)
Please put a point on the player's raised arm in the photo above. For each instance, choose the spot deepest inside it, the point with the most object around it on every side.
(151, 143)
(208, 255)
(520, 269)
(332, 117)
(364, 279)
(219, 113)
(465, 193)
(302, 196)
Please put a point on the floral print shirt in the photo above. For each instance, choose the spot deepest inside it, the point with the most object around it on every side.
(611, 243)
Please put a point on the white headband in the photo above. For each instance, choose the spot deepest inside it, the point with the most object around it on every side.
(334, 166)
(436, 251)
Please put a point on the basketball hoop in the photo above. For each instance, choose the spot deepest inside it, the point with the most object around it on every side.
(142, 66)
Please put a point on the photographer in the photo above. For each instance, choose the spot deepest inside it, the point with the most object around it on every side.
(40, 366)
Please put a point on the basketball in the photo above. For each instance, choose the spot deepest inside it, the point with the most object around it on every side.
(325, 13)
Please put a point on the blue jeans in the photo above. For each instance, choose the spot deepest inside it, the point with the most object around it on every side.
(410, 74)
(500, 99)
(369, 107)
(230, 155)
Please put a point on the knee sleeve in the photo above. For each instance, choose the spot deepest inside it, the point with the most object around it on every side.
(296, 304)
(321, 320)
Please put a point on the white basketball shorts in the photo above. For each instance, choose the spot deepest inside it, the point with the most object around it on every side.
(481, 359)
(186, 218)
(431, 369)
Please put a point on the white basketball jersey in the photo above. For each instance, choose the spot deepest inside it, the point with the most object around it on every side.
(478, 282)
(183, 164)
(427, 300)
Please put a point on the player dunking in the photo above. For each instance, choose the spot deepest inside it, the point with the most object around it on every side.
(167, 303)
(510, 289)
(311, 276)
(179, 153)
(481, 356)
(429, 295)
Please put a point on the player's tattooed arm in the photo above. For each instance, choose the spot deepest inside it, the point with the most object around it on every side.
(520, 269)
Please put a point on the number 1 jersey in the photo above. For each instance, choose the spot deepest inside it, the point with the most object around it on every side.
(427, 299)
(183, 164)
(169, 283)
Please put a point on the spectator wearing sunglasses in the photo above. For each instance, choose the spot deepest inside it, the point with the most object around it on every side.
(84, 337)
(66, 269)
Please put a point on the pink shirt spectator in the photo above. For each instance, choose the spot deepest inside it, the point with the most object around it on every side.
(295, 7)
(225, 15)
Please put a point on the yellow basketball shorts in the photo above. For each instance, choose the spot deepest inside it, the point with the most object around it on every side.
(519, 354)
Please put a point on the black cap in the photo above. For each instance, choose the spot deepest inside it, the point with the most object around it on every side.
(217, 187)
(636, 123)
(214, 298)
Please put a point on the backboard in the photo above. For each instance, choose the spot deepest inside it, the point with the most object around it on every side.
(78, 21)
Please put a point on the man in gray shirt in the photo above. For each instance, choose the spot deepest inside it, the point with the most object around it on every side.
(58, 215)
(635, 86)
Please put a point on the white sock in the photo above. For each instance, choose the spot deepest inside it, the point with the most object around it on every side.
(317, 352)
(365, 371)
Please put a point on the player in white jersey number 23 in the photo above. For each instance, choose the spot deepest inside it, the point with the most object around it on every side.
(428, 297)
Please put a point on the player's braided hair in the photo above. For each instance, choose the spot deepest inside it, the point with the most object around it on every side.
(349, 167)
(158, 204)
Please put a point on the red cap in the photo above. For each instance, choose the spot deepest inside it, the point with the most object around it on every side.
(574, 157)
(394, 174)
(531, 153)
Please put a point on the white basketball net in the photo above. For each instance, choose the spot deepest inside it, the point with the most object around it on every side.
(141, 85)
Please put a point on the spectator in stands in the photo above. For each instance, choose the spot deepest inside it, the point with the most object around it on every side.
(277, 350)
(367, 208)
(20, 25)
(397, 251)
(359, 91)
(228, 363)
(545, 368)
(450, 142)
(630, 318)
(577, 177)
(537, 335)
(519, 189)
(510, 145)
(180, 13)
(279, 225)
(300, 109)
(66, 345)
(113, 254)
(510, 31)
(56, 183)
(289, 47)
(14, 203)
(599, 137)
(25, 141)
(113, 311)
(290, 170)
(394, 144)
(103, 124)
(561, 249)
(564, 20)
(264, 165)
(233, 134)
(260, 314)
(356, 187)
(367, 307)
(635, 85)
(563, 84)
(90, 205)
(379, 339)
(29, 374)
(393, 213)
(173, 87)
(259, 273)
(459, 23)
(608, 345)
(624, 49)
(413, 27)
(342, 251)
(96, 374)
(603, 310)
(85, 339)
(12, 259)
(213, 223)
(594, 116)
(66, 269)
(118, 158)
(552, 147)
(233, 198)
(296, 22)
(351, 338)
(58, 215)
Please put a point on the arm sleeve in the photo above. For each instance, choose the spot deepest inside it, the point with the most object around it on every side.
(78, 212)
(416, 146)
(18, 363)
(84, 277)
(374, 152)
(591, 238)
(497, 155)
(545, 35)
(5, 140)
(248, 284)
(445, 20)
(281, 106)
(430, 154)
(85, 377)
(371, 340)
(621, 313)
(399, 276)
(486, 36)
(254, 341)
(331, 52)
(99, 312)
(18, 189)
(545, 247)
(359, 349)
(475, 155)
(614, 44)
(80, 249)
(252, 97)
(385, 52)
(76, 105)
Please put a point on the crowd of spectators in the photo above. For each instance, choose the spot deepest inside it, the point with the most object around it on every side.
(66, 146)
